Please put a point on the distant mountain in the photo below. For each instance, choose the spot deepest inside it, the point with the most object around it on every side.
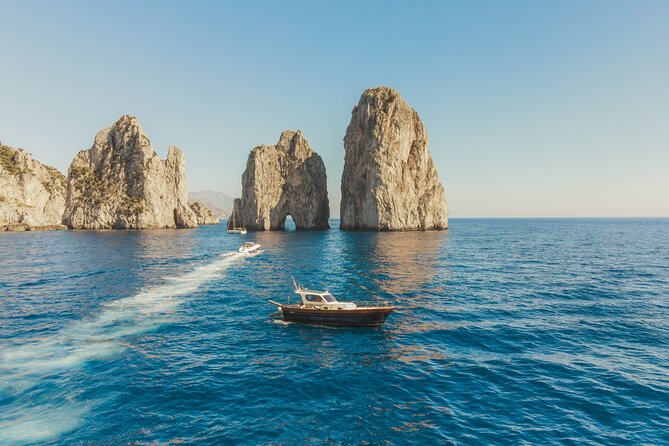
(218, 202)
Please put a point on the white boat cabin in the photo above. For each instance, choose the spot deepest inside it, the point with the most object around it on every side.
(322, 300)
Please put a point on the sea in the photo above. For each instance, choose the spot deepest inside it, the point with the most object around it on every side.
(507, 331)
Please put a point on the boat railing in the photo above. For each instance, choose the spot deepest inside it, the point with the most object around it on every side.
(375, 303)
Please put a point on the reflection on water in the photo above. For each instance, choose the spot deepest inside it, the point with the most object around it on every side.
(398, 262)
(410, 268)
(404, 262)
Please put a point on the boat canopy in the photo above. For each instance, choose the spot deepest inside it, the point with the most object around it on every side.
(313, 296)
(316, 296)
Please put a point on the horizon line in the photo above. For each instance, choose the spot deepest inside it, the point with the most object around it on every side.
(649, 217)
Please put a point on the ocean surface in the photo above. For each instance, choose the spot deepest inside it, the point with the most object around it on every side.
(507, 332)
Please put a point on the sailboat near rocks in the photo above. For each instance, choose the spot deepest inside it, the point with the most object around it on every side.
(234, 229)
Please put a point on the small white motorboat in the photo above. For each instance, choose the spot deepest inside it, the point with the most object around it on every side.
(249, 247)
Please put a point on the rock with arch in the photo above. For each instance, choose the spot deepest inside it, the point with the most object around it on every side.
(280, 180)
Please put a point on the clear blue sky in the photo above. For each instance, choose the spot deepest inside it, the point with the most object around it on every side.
(533, 108)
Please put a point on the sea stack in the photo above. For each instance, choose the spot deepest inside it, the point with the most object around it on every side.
(389, 181)
(280, 180)
(121, 183)
(32, 195)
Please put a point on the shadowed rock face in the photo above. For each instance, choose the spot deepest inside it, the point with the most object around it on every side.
(204, 215)
(32, 195)
(285, 179)
(121, 183)
(389, 180)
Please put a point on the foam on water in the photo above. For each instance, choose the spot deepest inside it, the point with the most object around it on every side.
(42, 423)
(25, 366)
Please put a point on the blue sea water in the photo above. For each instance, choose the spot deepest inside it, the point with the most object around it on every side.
(507, 332)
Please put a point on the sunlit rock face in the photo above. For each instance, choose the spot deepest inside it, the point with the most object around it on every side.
(389, 180)
(204, 215)
(280, 180)
(32, 194)
(121, 183)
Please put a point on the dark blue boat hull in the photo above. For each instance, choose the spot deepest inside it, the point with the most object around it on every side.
(343, 318)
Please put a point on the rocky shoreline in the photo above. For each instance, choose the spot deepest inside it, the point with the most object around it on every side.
(21, 227)
(203, 214)
(119, 183)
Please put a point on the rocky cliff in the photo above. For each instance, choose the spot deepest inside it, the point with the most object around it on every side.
(32, 195)
(121, 183)
(280, 180)
(204, 215)
(389, 180)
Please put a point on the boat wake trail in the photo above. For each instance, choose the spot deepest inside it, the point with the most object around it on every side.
(35, 415)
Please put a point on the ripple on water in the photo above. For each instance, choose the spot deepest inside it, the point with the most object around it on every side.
(507, 331)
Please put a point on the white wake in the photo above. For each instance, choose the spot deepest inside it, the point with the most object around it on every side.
(22, 367)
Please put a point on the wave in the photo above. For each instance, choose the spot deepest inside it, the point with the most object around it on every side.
(103, 336)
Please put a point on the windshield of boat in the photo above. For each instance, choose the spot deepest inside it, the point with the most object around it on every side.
(313, 298)
(329, 298)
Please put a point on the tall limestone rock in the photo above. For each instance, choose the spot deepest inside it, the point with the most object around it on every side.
(389, 180)
(285, 179)
(32, 195)
(121, 183)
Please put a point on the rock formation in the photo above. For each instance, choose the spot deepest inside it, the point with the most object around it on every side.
(32, 195)
(218, 202)
(389, 180)
(121, 183)
(285, 179)
(204, 215)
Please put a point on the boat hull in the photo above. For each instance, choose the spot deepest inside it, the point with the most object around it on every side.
(249, 247)
(368, 317)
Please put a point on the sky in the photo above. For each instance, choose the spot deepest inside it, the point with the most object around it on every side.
(533, 108)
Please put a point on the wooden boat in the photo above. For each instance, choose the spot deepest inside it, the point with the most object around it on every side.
(321, 308)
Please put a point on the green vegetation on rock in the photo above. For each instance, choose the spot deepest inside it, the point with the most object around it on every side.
(7, 159)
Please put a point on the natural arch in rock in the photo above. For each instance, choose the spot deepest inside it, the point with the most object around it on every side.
(282, 223)
(284, 179)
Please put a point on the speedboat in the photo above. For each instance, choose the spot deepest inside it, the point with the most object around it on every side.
(322, 308)
(249, 247)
